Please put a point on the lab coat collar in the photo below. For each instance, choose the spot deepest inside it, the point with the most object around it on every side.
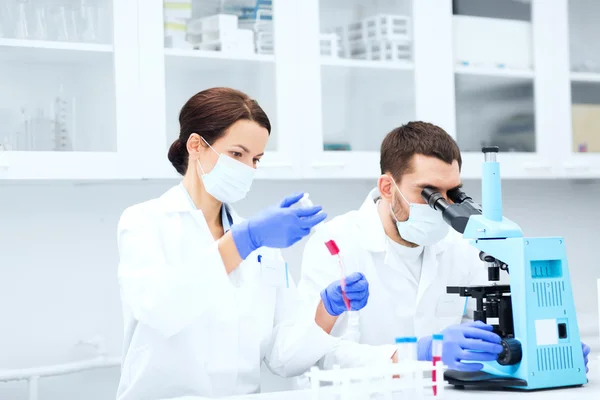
(175, 200)
(369, 224)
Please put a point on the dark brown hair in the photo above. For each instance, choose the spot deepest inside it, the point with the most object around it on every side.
(400, 145)
(209, 114)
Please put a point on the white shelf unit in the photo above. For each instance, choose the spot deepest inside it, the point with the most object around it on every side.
(585, 77)
(188, 55)
(580, 27)
(499, 72)
(73, 105)
(366, 64)
(129, 92)
(178, 73)
(54, 52)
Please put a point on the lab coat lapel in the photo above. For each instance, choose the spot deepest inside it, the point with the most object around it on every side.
(370, 229)
(429, 271)
(374, 238)
(176, 201)
(392, 261)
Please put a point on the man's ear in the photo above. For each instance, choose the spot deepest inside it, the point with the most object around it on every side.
(386, 186)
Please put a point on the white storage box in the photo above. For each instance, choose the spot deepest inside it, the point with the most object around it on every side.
(176, 15)
(265, 43)
(380, 27)
(219, 22)
(330, 45)
(175, 35)
(177, 10)
(214, 36)
(491, 42)
(240, 41)
(381, 50)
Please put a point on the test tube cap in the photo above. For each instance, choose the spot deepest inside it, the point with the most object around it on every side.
(305, 201)
(438, 337)
(332, 247)
(408, 339)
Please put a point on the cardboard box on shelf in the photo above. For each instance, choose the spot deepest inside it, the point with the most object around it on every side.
(586, 128)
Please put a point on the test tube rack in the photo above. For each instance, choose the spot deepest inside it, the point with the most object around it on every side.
(381, 380)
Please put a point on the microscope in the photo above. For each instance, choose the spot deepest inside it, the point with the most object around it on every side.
(534, 315)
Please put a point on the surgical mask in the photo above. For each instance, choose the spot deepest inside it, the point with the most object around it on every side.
(425, 226)
(229, 180)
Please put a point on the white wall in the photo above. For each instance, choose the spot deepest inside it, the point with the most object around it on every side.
(58, 262)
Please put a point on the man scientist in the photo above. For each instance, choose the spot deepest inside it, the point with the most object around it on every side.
(408, 255)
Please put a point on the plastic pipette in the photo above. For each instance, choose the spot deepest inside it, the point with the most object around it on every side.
(333, 249)
(436, 353)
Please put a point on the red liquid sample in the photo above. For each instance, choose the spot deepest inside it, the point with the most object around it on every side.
(346, 300)
(334, 250)
(434, 374)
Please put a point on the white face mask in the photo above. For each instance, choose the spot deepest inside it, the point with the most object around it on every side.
(229, 180)
(425, 226)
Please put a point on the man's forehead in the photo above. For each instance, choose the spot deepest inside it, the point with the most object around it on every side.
(433, 172)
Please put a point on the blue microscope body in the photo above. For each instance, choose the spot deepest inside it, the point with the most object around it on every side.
(535, 314)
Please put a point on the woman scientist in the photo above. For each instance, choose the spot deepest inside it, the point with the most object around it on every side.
(203, 291)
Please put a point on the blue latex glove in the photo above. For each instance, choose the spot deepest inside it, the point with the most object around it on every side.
(471, 341)
(357, 291)
(277, 227)
(586, 352)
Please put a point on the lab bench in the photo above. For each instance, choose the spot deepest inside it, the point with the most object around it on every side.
(589, 391)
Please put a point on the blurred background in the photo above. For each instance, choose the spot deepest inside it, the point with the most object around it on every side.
(91, 91)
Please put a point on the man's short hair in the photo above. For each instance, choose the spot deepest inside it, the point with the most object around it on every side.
(417, 137)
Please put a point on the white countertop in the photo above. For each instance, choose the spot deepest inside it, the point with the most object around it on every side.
(589, 391)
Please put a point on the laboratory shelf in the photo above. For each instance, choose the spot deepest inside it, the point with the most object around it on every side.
(499, 72)
(585, 77)
(75, 165)
(39, 51)
(367, 64)
(513, 165)
(193, 59)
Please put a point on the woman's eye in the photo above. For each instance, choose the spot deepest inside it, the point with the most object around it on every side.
(236, 153)
(256, 160)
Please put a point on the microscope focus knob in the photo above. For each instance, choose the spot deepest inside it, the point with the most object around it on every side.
(511, 352)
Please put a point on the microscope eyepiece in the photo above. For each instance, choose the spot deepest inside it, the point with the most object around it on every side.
(458, 196)
(457, 213)
(434, 199)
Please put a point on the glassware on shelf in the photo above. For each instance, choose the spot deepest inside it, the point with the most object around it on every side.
(44, 126)
(60, 126)
(22, 28)
(90, 22)
(58, 20)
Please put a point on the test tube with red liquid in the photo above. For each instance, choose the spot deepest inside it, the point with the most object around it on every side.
(333, 250)
(436, 356)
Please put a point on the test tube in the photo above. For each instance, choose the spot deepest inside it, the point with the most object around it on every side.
(333, 250)
(306, 202)
(436, 356)
(406, 348)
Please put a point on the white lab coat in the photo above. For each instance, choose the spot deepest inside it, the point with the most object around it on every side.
(191, 329)
(398, 305)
